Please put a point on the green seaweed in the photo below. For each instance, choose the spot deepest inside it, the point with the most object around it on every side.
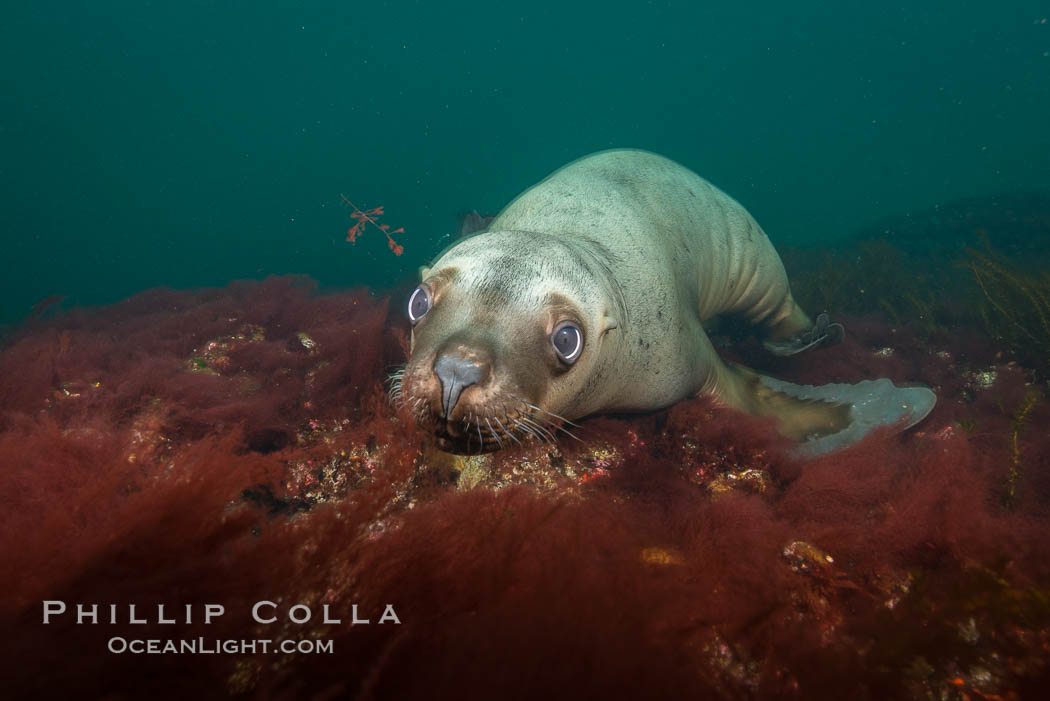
(984, 290)
(873, 277)
(1018, 421)
(1015, 306)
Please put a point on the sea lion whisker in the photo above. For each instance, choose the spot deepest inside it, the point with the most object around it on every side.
(535, 434)
(494, 434)
(395, 381)
(531, 418)
(547, 435)
(525, 429)
(504, 429)
(547, 422)
(557, 427)
(551, 413)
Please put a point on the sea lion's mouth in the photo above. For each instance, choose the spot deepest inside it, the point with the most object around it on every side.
(478, 423)
(478, 433)
(465, 444)
(475, 433)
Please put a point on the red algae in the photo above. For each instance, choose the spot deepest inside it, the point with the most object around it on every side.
(234, 446)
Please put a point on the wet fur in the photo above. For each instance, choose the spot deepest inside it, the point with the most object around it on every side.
(639, 252)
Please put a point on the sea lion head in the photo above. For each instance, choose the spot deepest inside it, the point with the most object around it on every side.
(509, 339)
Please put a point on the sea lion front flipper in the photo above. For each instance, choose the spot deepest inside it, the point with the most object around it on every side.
(823, 333)
(830, 417)
(473, 223)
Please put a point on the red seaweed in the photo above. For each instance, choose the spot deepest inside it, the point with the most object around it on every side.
(234, 446)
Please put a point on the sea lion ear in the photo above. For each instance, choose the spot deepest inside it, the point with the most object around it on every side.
(424, 273)
(608, 324)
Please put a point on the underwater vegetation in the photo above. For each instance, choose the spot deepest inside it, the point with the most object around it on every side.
(1016, 305)
(870, 277)
(991, 280)
(235, 445)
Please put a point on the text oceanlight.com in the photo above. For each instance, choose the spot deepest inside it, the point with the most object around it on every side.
(204, 646)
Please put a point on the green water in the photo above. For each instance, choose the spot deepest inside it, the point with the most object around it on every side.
(190, 143)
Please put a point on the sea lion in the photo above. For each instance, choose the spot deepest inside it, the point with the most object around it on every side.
(588, 294)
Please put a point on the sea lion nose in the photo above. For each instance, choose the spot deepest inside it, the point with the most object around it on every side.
(456, 372)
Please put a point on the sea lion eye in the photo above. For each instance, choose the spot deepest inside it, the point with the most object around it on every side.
(568, 341)
(418, 304)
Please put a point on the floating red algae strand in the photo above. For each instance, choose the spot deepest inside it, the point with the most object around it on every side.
(232, 446)
(371, 216)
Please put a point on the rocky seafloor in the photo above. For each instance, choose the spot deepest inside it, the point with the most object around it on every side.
(235, 445)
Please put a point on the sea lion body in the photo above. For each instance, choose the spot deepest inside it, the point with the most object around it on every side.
(681, 252)
(635, 251)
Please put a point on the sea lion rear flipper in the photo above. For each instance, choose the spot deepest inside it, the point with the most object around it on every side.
(829, 417)
(823, 333)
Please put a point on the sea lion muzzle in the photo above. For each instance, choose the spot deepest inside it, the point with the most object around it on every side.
(456, 371)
